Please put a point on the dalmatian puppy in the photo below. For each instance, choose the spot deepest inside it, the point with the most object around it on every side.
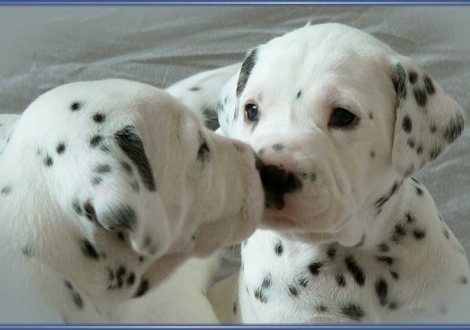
(106, 187)
(341, 123)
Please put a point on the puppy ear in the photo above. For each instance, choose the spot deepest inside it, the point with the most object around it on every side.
(427, 122)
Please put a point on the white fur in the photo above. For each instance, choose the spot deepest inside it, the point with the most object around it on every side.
(207, 195)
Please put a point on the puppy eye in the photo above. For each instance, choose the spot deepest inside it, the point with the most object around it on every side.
(342, 118)
(252, 112)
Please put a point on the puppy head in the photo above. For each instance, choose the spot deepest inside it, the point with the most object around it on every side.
(208, 184)
(338, 118)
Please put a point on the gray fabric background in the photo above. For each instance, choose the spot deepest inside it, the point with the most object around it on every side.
(42, 47)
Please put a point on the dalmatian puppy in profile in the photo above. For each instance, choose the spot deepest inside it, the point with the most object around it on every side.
(106, 187)
(341, 123)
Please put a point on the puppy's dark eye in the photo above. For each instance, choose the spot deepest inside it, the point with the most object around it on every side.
(342, 118)
(251, 112)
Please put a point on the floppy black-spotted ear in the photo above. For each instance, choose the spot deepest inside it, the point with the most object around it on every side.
(428, 120)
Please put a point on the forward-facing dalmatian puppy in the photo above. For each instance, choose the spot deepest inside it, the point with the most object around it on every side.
(105, 188)
(342, 122)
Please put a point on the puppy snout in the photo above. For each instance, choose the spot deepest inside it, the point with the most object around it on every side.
(276, 183)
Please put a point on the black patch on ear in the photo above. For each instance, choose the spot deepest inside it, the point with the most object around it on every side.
(129, 141)
(245, 71)
(454, 128)
(428, 85)
(352, 311)
(89, 250)
(354, 269)
(420, 96)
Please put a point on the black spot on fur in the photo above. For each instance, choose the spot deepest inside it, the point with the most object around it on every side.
(419, 149)
(89, 250)
(27, 251)
(127, 167)
(102, 168)
(321, 308)
(409, 218)
(278, 147)
(352, 311)
(340, 280)
(413, 77)
(419, 234)
(411, 143)
(372, 154)
(99, 118)
(463, 280)
(371, 115)
(141, 259)
(130, 279)
(75, 106)
(6, 190)
(400, 82)
(245, 71)
(48, 161)
(381, 289)
(428, 85)
(315, 268)
(266, 281)
(120, 236)
(77, 299)
(299, 94)
(407, 124)
(303, 282)
(387, 260)
(354, 269)
(95, 141)
(60, 148)
(129, 141)
(234, 308)
(293, 291)
(261, 295)
(383, 247)
(454, 128)
(278, 247)
(394, 275)
(195, 89)
(96, 181)
(399, 233)
(142, 289)
(433, 128)
(89, 211)
(384, 199)
(420, 97)
(331, 251)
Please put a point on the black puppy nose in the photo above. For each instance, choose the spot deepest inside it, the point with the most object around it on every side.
(276, 183)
